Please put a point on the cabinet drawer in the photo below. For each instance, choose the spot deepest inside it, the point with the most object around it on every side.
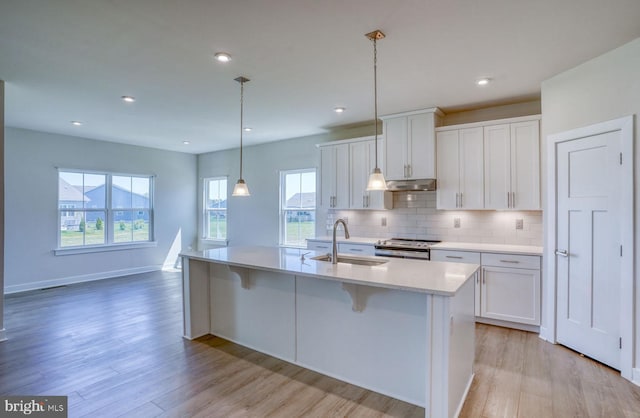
(319, 246)
(362, 249)
(455, 256)
(511, 260)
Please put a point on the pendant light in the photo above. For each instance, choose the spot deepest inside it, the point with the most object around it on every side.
(376, 179)
(241, 189)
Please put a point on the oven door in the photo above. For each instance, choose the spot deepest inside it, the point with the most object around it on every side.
(414, 254)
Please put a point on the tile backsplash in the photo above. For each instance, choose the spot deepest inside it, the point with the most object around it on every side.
(414, 215)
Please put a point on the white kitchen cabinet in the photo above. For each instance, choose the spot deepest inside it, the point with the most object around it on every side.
(362, 162)
(409, 145)
(357, 249)
(507, 288)
(468, 257)
(460, 169)
(343, 247)
(323, 246)
(512, 166)
(511, 293)
(334, 176)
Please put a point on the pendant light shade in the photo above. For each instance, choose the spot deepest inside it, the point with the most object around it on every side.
(241, 188)
(376, 179)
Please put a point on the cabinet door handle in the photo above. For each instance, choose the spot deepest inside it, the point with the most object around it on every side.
(562, 253)
(457, 199)
(461, 204)
(368, 200)
(410, 170)
(457, 257)
(356, 250)
(364, 201)
(510, 261)
(513, 199)
(508, 199)
(478, 277)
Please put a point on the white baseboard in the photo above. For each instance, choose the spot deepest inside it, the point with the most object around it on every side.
(544, 335)
(3, 335)
(78, 279)
(635, 378)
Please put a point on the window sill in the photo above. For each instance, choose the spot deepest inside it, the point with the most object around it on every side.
(104, 248)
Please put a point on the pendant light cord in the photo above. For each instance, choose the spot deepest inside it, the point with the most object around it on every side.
(241, 117)
(375, 96)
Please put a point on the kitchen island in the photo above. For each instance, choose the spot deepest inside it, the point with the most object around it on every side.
(404, 328)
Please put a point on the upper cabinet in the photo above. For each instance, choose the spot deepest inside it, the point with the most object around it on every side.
(489, 165)
(334, 176)
(409, 144)
(460, 166)
(512, 166)
(362, 162)
(345, 167)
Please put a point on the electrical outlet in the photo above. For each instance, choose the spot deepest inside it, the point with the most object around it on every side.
(456, 222)
(383, 221)
(519, 224)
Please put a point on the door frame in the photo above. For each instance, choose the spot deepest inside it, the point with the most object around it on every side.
(627, 273)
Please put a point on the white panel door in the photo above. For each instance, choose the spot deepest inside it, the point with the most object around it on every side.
(421, 147)
(525, 165)
(359, 156)
(511, 294)
(471, 169)
(497, 166)
(342, 176)
(395, 145)
(327, 176)
(448, 176)
(589, 280)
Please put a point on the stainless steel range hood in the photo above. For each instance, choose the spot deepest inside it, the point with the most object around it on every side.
(411, 185)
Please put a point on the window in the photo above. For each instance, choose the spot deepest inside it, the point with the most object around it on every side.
(215, 208)
(297, 207)
(100, 209)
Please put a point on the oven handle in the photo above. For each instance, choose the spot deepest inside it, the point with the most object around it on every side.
(418, 255)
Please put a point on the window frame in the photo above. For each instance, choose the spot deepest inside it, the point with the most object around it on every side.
(283, 208)
(205, 210)
(109, 243)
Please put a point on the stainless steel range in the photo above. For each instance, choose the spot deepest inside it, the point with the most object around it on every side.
(405, 248)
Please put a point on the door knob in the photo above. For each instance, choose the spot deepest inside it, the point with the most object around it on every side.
(562, 253)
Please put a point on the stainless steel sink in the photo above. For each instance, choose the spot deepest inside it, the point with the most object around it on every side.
(361, 261)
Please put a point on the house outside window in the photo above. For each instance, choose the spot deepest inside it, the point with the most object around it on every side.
(102, 209)
(215, 208)
(297, 207)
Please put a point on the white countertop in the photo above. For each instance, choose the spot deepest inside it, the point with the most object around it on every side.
(488, 248)
(412, 275)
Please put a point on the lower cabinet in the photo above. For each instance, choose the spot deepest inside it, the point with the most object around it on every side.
(343, 247)
(508, 287)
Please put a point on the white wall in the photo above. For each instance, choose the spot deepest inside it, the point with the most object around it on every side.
(31, 207)
(605, 88)
(254, 220)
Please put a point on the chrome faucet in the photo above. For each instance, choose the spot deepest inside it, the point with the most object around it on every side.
(334, 254)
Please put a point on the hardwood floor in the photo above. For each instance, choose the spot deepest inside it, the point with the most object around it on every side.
(114, 347)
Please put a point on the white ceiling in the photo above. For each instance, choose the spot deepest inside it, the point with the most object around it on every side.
(67, 60)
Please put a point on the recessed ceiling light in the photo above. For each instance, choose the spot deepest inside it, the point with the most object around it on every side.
(247, 129)
(76, 123)
(339, 109)
(186, 142)
(222, 57)
(483, 81)
(128, 99)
